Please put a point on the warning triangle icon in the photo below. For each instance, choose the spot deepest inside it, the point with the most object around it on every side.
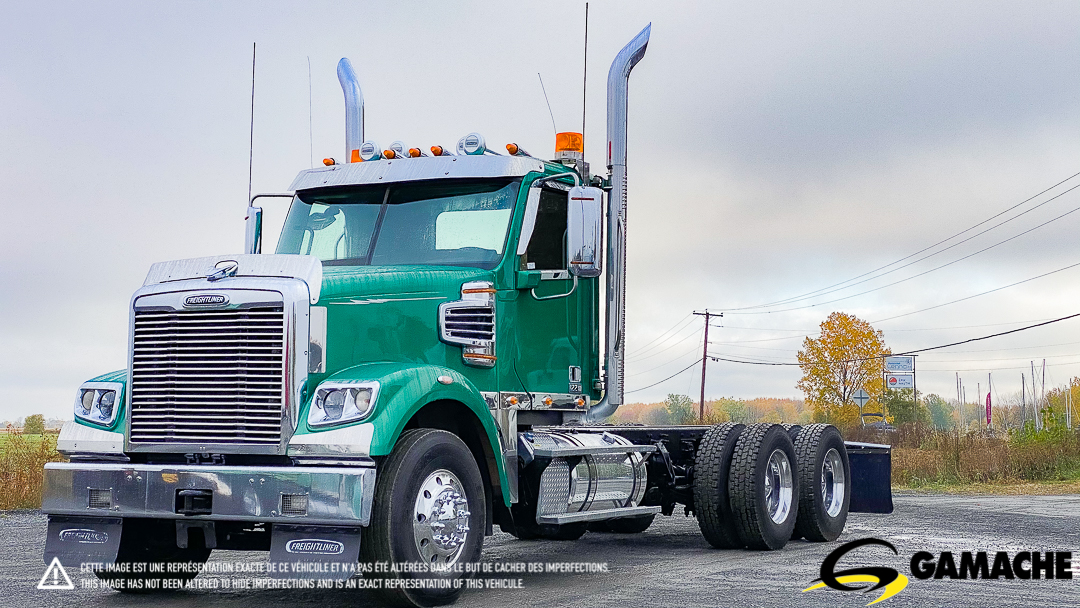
(55, 577)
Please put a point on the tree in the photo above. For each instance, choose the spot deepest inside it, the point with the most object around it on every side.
(847, 356)
(35, 425)
(901, 407)
(680, 409)
(941, 413)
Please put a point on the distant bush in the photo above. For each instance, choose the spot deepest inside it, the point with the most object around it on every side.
(34, 425)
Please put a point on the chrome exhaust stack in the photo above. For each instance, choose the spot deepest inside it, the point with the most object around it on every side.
(618, 81)
(354, 110)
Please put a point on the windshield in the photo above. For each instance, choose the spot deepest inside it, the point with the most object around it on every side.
(450, 223)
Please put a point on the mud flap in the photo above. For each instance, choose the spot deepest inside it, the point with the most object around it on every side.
(871, 477)
(314, 551)
(83, 540)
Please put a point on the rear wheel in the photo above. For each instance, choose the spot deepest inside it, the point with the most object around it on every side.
(763, 487)
(825, 487)
(152, 541)
(428, 508)
(712, 505)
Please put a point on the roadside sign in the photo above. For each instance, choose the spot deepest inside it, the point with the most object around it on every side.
(900, 380)
(900, 365)
(860, 397)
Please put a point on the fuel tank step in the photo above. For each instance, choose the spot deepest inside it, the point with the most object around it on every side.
(602, 514)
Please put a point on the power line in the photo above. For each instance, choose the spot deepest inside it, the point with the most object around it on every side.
(979, 294)
(997, 215)
(672, 330)
(683, 370)
(915, 276)
(909, 352)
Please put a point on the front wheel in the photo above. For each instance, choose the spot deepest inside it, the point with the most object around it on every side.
(428, 513)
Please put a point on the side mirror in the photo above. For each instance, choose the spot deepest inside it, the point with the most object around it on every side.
(584, 218)
(253, 230)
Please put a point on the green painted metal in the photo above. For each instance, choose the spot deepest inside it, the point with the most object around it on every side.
(405, 388)
(382, 324)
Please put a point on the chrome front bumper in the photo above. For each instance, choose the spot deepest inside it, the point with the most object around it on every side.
(334, 495)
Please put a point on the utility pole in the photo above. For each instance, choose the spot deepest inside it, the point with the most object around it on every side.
(1023, 400)
(705, 359)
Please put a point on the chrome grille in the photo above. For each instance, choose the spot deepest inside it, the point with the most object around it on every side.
(469, 322)
(208, 376)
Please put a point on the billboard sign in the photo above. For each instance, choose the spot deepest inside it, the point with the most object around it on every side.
(900, 365)
(900, 381)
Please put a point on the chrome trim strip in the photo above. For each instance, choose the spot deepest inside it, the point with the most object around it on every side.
(416, 169)
(349, 441)
(336, 495)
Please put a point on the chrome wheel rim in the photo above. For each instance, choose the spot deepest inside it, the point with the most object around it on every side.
(832, 482)
(778, 483)
(441, 518)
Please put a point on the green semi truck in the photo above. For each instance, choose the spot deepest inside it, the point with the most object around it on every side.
(418, 362)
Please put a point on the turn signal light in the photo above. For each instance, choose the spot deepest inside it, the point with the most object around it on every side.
(437, 151)
(414, 152)
(329, 161)
(512, 149)
(389, 154)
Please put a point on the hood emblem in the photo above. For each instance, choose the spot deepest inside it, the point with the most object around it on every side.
(224, 268)
(209, 299)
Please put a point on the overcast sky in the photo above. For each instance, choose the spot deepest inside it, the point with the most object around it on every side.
(775, 149)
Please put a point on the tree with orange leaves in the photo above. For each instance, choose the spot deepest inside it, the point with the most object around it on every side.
(847, 356)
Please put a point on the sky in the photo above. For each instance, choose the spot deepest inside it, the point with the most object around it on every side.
(775, 149)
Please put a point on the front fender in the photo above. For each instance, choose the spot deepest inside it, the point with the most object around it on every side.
(404, 388)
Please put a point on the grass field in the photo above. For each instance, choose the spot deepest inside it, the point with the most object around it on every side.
(22, 463)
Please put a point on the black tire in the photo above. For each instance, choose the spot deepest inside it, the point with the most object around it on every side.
(389, 537)
(712, 505)
(814, 522)
(147, 541)
(624, 525)
(746, 487)
(793, 430)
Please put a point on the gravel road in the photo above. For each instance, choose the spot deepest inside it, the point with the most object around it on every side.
(668, 565)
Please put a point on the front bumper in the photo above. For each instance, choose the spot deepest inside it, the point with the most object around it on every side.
(334, 495)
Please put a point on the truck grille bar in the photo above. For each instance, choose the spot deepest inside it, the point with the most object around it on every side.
(208, 376)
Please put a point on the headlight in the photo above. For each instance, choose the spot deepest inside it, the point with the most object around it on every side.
(337, 402)
(97, 402)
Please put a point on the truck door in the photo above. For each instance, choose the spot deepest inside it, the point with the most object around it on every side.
(555, 320)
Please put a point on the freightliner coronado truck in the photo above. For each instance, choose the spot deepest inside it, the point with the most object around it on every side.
(418, 362)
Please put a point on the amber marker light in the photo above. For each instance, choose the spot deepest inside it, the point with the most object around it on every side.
(329, 161)
(569, 142)
(479, 290)
(512, 149)
(512, 400)
(437, 150)
(389, 154)
(414, 152)
(548, 401)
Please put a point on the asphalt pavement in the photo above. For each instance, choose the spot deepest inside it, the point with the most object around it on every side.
(668, 565)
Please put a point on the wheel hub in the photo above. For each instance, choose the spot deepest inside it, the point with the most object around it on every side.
(832, 482)
(441, 518)
(778, 483)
